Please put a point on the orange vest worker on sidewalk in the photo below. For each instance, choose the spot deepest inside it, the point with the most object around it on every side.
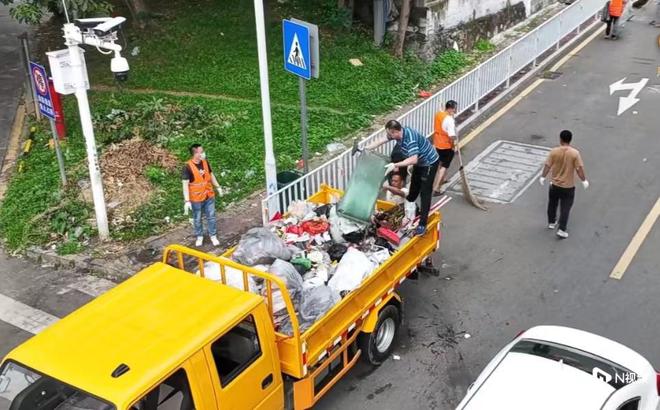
(564, 161)
(444, 140)
(198, 181)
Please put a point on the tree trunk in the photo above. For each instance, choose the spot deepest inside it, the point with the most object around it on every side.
(140, 11)
(403, 26)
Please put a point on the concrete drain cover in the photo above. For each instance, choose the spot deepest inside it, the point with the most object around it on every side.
(503, 171)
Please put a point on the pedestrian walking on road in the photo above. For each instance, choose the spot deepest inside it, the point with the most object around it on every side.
(615, 9)
(198, 182)
(419, 153)
(444, 140)
(564, 162)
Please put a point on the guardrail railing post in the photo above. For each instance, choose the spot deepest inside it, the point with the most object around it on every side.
(509, 65)
(559, 31)
(536, 48)
(476, 105)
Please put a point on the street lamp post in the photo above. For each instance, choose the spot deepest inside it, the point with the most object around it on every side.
(269, 160)
(102, 37)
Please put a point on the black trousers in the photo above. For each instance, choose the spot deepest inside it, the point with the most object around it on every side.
(562, 197)
(611, 26)
(421, 184)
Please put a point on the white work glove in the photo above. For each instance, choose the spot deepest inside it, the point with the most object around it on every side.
(187, 207)
(542, 181)
(585, 184)
(219, 190)
(389, 168)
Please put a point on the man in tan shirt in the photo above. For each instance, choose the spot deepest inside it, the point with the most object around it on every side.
(564, 161)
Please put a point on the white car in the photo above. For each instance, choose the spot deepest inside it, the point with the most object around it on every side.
(559, 368)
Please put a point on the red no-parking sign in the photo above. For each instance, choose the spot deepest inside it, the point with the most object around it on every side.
(41, 90)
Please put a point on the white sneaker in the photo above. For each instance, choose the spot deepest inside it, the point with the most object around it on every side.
(552, 225)
(215, 241)
(562, 234)
(199, 241)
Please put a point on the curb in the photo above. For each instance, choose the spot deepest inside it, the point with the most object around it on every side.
(13, 147)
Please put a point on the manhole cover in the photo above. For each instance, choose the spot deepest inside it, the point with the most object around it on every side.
(503, 171)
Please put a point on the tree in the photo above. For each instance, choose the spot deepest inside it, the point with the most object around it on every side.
(32, 11)
(404, 17)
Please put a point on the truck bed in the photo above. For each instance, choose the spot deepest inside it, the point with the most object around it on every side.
(300, 352)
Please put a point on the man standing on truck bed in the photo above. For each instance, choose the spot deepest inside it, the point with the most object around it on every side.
(419, 153)
(198, 181)
(564, 161)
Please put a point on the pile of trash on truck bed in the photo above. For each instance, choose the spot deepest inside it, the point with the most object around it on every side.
(319, 255)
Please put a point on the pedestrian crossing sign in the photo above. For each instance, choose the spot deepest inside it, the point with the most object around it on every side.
(297, 48)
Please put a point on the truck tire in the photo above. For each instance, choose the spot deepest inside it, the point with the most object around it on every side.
(377, 345)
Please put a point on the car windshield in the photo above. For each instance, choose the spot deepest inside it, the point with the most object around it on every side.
(25, 389)
(609, 372)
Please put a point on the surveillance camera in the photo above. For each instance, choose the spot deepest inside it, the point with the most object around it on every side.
(90, 23)
(119, 66)
(108, 26)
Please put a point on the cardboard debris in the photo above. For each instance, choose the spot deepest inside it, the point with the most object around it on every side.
(355, 62)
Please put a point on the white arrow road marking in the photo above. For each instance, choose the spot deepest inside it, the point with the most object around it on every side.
(625, 103)
(23, 316)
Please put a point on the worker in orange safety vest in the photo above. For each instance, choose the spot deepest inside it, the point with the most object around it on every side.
(615, 11)
(444, 141)
(198, 182)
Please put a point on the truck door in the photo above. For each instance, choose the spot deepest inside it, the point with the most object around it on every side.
(243, 368)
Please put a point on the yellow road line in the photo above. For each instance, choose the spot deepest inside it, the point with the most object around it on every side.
(636, 243)
(475, 132)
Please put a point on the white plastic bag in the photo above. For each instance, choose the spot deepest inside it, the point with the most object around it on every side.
(260, 246)
(234, 277)
(351, 271)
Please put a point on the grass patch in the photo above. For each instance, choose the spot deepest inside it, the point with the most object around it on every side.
(205, 47)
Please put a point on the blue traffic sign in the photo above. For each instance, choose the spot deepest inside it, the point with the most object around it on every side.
(42, 90)
(297, 57)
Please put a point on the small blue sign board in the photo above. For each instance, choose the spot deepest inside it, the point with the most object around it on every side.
(297, 56)
(42, 90)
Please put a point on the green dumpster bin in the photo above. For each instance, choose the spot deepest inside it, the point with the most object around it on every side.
(284, 179)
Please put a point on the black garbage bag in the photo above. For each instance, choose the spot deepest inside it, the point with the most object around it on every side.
(337, 251)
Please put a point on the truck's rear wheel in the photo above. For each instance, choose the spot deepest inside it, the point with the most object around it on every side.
(377, 345)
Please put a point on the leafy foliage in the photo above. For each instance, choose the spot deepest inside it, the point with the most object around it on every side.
(32, 11)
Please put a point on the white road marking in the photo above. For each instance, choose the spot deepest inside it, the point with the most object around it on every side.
(89, 285)
(631, 99)
(23, 316)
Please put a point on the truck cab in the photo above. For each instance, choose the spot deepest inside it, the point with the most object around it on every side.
(162, 340)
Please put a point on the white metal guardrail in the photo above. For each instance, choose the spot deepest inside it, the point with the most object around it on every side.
(493, 77)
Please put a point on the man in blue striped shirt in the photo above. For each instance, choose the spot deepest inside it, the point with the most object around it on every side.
(419, 153)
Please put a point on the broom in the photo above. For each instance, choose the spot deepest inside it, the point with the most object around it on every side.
(467, 192)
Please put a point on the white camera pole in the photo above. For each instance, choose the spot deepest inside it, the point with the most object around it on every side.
(269, 161)
(73, 37)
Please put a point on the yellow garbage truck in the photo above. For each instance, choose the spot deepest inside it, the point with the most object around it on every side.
(170, 339)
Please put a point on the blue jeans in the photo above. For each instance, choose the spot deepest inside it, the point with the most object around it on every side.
(206, 207)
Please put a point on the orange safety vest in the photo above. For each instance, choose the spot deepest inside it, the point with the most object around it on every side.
(441, 139)
(201, 188)
(616, 8)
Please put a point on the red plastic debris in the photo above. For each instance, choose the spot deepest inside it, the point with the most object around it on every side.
(276, 217)
(315, 227)
(424, 94)
(388, 235)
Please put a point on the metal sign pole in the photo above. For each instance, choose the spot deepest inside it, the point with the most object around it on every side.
(58, 152)
(303, 123)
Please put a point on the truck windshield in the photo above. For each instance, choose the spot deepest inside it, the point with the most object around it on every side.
(24, 389)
